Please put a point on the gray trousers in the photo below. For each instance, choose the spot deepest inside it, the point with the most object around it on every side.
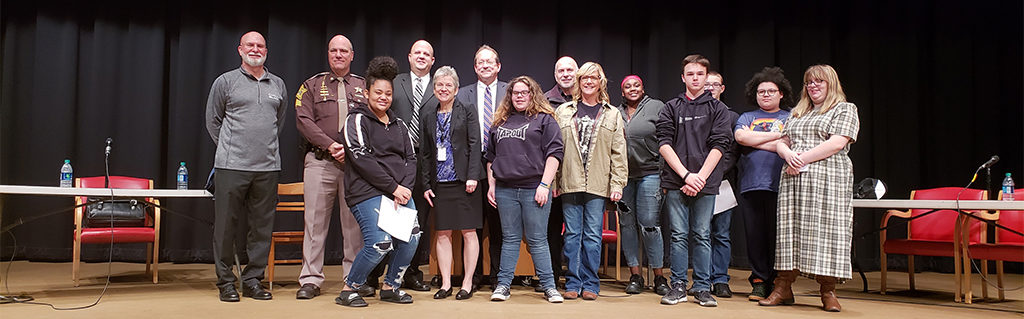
(244, 212)
(323, 183)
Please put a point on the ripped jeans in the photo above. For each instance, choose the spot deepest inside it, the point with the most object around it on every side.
(643, 196)
(378, 243)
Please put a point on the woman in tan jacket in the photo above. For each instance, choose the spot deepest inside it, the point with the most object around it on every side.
(593, 171)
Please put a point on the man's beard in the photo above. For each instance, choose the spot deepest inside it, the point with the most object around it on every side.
(254, 62)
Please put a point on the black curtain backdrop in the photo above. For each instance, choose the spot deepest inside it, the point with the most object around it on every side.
(938, 85)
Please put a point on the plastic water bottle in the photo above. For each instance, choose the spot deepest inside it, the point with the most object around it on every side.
(182, 176)
(1008, 187)
(66, 178)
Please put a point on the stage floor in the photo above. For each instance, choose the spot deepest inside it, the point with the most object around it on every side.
(188, 291)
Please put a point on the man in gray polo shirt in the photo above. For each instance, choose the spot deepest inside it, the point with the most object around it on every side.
(244, 114)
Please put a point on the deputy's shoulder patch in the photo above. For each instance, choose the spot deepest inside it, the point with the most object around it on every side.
(298, 96)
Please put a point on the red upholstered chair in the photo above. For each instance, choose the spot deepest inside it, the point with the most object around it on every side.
(933, 235)
(1007, 247)
(149, 233)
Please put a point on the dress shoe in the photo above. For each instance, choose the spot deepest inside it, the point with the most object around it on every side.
(366, 291)
(463, 294)
(228, 293)
(307, 291)
(257, 292)
(414, 284)
(589, 295)
(443, 293)
(351, 299)
(396, 296)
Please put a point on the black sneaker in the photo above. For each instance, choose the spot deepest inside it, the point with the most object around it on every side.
(635, 285)
(675, 295)
(722, 290)
(661, 285)
(705, 299)
(760, 291)
(350, 299)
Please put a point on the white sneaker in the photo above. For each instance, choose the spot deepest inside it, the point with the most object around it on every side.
(553, 296)
(501, 293)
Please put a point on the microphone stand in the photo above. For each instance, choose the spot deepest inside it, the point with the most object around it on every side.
(988, 180)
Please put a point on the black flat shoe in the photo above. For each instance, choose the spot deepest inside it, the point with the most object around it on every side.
(443, 293)
(307, 291)
(228, 293)
(256, 292)
(351, 299)
(396, 296)
(463, 294)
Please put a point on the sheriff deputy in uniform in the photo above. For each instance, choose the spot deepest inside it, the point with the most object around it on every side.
(320, 116)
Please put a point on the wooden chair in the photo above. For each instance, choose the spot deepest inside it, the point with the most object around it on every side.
(936, 234)
(285, 237)
(148, 233)
(1007, 247)
(608, 237)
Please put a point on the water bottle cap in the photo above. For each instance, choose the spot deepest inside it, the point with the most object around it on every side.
(67, 161)
(1007, 174)
(182, 163)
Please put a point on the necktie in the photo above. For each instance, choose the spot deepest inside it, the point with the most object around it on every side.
(414, 125)
(342, 104)
(488, 112)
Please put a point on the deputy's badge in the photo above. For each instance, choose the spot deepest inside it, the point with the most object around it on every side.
(298, 96)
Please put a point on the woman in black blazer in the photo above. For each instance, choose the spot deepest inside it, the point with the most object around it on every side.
(449, 163)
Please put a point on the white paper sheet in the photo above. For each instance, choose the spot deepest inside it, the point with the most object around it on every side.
(725, 199)
(397, 223)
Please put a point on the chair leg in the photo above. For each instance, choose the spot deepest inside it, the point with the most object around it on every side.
(604, 268)
(910, 271)
(149, 258)
(270, 264)
(984, 275)
(76, 260)
(156, 259)
(967, 279)
(618, 259)
(999, 278)
(884, 265)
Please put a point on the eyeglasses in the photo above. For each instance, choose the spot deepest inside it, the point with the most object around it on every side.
(486, 62)
(769, 92)
(520, 93)
(712, 85)
(593, 78)
(814, 82)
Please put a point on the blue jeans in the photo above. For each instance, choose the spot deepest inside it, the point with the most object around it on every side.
(721, 247)
(522, 218)
(689, 215)
(584, 215)
(643, 196)
(378, 243)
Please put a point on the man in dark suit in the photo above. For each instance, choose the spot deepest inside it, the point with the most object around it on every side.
(412, 91)
(485, 95)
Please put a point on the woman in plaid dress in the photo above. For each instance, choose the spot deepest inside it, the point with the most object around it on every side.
(815, 221)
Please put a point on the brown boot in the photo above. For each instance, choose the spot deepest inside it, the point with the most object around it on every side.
(783, 292)
(829, 301)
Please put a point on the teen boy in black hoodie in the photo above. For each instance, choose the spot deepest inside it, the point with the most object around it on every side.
(693, 132)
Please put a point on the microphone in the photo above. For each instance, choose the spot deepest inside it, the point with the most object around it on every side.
(106, 152)
(991, 161)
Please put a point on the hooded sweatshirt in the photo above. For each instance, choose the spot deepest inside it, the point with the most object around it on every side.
(378, 156)
(693, 128)
(642, 143)
(519, 148)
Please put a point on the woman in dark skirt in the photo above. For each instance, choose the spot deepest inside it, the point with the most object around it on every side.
(448, 163)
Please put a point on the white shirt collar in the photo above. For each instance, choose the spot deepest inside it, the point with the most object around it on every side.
(425, 78)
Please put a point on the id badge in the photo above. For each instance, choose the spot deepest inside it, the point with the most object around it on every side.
(442, 153)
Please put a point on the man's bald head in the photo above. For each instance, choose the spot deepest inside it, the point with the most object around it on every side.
(421, 57)
(339, 55)
(252, 48)
(565, 72)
